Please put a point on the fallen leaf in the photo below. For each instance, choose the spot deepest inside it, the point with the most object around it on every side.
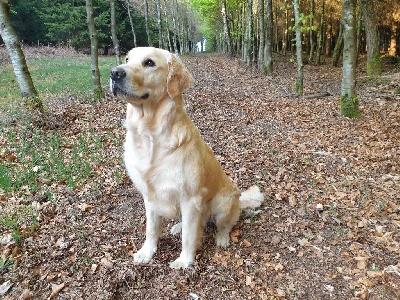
(56, 289)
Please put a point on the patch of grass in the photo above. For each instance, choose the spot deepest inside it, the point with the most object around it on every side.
(51, 158)
(55, 76)
(5, 263)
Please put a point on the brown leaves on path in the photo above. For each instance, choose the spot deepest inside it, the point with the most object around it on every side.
(329, 226)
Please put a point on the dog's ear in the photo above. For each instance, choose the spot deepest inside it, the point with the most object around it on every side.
(179, 78)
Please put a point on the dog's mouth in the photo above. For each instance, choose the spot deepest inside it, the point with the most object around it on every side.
(118, 91)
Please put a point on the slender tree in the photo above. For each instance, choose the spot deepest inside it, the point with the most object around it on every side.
(249, 32)
(338, 48)
(131, 23)
(226, 29)
(374, 63)
(321, 32)
(146, 21)
(299, 57)
(348, 97)
(311, 32)
(94, 51)
(261, 31)
(268, 64)
(159, 23)
(17, 56)
(114, 32)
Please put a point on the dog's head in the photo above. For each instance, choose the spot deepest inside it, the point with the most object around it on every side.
(149, 74)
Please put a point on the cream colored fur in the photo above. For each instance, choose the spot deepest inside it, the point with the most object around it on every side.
(166, 158)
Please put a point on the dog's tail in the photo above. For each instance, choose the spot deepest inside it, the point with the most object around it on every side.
(251, 198)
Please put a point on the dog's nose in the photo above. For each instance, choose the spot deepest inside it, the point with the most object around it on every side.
(117, 73)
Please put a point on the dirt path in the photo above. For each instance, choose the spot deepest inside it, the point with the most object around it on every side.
(329, 228)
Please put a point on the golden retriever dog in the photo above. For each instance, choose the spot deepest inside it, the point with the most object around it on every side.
(166, 158)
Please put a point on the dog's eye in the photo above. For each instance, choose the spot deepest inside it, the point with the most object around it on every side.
(126, 60)
(148, 63)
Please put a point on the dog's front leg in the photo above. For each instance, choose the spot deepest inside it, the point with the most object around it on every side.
(153, 231)
(191, 233)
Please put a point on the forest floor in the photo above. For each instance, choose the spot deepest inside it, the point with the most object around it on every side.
(329, 227)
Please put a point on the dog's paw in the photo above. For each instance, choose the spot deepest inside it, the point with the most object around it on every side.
(222, 239)
(180, 263)
(176, 229)
(143, 256)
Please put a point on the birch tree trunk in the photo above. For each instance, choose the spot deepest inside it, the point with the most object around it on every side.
(114, 32)
(268, 65)
(348, 97)
(299, 58)
(374, 63)
(226, 28)
(160, 33)
(249, 31)
(17, 57)
(146, 21)
(94, 53)
(131, 22)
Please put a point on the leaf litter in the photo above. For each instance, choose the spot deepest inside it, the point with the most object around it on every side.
(329, 226)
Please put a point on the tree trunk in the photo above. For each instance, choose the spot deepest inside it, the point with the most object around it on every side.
(311, 32)
(348, 97)
(374, 63)
(299, 80)
(338, 48)
(167, 28)
(17, 57)
(94, 51)
(393, 36)
(249, 31)
(160, 33)
(261, 32)
(321, 33)
(131, 22)
(114, 32)
(226, 29)
(268, 65)
(146, 21)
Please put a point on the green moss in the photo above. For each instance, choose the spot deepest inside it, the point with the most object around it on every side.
(349, 107)
(298, 88)
(374, 67)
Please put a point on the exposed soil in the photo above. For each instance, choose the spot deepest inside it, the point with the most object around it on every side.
(329, 227)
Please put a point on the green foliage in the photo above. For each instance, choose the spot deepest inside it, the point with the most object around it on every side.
(64, 22)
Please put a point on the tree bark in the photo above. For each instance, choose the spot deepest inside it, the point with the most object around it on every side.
(131, 22)
(374, 63)
(393, 37)
(160, 33)
(261, 32)
(226, 28)
(94, 51)
(311, 32)
(114, 33)
(299, 58)
(249, 31)
(268, 64)
(338, 48)
(321, 33)
(348, 98)
(146, 21)
(16, 54)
